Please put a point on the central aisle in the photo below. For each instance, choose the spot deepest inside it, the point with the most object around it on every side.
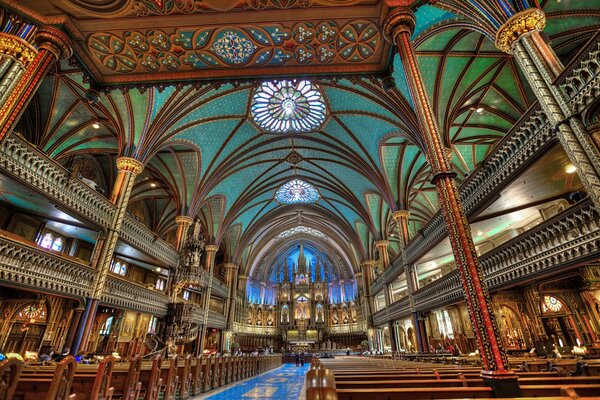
(283, 383)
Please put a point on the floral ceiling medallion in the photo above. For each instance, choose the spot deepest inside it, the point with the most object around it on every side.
(288, 107)
(297, 191)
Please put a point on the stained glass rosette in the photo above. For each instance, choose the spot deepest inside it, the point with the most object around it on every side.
(297, 191)
(288, 107)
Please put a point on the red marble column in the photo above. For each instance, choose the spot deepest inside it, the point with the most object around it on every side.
(398, 27)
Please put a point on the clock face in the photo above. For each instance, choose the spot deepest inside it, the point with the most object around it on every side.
(32, 312)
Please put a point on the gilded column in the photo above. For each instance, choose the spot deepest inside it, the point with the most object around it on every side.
(398, 28)
(211, 252)
(128, 169)
(382, 249)
(401, 219)
(183, 223)
(52, 45)
(367, 274)
(520, 36)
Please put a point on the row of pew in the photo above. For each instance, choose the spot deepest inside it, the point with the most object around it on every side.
(173, 378)
(359, 378)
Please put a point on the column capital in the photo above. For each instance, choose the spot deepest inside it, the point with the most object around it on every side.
(521, 23)
(230, 266)
(55, 41)
(358, 275)
(211, 247)
(17, 48)
(367, 263)
(183, 220)
(399, 20)
(382, 243)
(400, 215)
(128, 164)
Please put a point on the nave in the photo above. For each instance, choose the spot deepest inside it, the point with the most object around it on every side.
(197, 192)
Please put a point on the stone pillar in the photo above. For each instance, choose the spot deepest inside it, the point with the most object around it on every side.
(382, 249)
(53, 45)
(520, 36)
(211, 252)
(128, 169)
(183, 223)
(398, 28)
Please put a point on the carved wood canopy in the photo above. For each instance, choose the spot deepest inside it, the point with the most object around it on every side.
(134, 41)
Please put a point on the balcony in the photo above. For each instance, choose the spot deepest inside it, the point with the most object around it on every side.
(131, 296)
(29, 266)
(25, 163)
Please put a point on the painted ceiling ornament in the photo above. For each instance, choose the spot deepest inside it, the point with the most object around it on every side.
(288, 107)
(297, 191)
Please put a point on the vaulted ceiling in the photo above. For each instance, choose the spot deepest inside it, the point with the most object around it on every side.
(205, 157)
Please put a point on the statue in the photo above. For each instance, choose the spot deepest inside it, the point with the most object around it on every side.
(285, 317)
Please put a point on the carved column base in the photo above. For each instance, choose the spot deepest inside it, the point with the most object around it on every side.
(503, 385)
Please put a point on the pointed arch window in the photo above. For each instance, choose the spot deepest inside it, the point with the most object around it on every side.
(47, 240)
(57, 245)
(119, 267)
(106, 327)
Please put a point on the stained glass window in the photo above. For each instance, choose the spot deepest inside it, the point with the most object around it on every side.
(160, 284)
(105, 330)
(33, 312)
(552, 304)
(300, 229)
(58, 244)
(297, 191)
(288, 107)
(47, 241)
(186, 295)
(119, 268)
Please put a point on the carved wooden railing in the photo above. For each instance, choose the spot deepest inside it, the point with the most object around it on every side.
(580, 80)
(25, 163)
(566, 240)
(396, 310)
(131, 296)
(215, 320)
(29, 266)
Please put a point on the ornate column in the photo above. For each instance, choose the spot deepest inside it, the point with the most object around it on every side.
(128, 169)
(183, 223)
(388, 301)
(367, 275)
(231, 272)
(398, 28)
(211, 251)
(53, 45)
(401, 219)
(520, 36)
(382, 249)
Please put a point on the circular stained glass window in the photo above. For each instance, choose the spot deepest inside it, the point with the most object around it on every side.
(552, 304)
(297, 191)
(288, 107)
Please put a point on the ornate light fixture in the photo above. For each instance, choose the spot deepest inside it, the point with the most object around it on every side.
(297, 191)
(288, 107)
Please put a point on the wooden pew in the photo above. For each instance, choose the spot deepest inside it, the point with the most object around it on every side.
(150, 379)
(197, 365)
(414, 393)
(169, 378)
(10, 371)
(95, 383)
(54, 386)
(126, 383)
(184, 376)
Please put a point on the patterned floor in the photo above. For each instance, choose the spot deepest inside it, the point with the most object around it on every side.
(281, 383)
